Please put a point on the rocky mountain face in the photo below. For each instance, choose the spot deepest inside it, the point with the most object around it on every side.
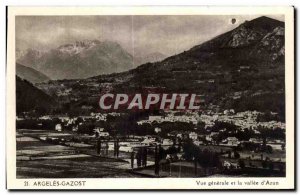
(79, 60)
(77, 47)
(30, 74)
(254, 49)
(272, 45)
(242, 69)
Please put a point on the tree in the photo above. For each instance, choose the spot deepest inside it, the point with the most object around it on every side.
(236, 154)
(269, 149)
(264, 164)
(283, 146)
(241, 163)
(271, 166)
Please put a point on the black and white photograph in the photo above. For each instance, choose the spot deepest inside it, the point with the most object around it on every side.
(141, 96)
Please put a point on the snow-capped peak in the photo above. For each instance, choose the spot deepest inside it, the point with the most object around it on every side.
(78, 46)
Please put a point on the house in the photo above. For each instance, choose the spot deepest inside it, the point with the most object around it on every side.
(197, 142)
(210, 136)
(278, 141)
(167, 142)
(148, 140)
(172, 134)
(71, 121)
(229, 112)
(194, 121)
(46, 117)
(222, 130)
(256, 132)
(232, 141)
(157, 130)
(100, 132)
(18, 118)
(64, 118)
(193, 135)
(177, 134)
(255, 140)
(75, 128)
(103, 134)
(58, 127)
(155, 118)
(230, 165)
(98, 129)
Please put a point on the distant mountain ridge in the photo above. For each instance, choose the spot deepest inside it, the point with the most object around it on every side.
(30, 74)
(79, 60)
(151, 57)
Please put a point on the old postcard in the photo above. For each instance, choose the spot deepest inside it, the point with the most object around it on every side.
(186, 98)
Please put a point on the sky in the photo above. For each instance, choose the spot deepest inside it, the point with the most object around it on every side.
(140, 35)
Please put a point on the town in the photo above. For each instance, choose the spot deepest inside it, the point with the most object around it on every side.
(169, 144)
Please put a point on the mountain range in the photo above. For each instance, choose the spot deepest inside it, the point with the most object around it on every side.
(241, 69)
(83, 59)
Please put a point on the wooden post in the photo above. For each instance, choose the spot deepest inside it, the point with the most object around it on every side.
(117, 149)
(106, 148)
(145, 156)
(132, 160)
(196, 166)
(156, 169)
(114, 148)
(98, 146)
(170, 169)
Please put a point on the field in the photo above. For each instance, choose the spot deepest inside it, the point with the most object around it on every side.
(51, 154)
(39, 159)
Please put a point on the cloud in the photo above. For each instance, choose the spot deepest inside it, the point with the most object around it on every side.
(137, 34)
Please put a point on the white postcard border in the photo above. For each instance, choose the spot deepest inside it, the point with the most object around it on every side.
(152, 183)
